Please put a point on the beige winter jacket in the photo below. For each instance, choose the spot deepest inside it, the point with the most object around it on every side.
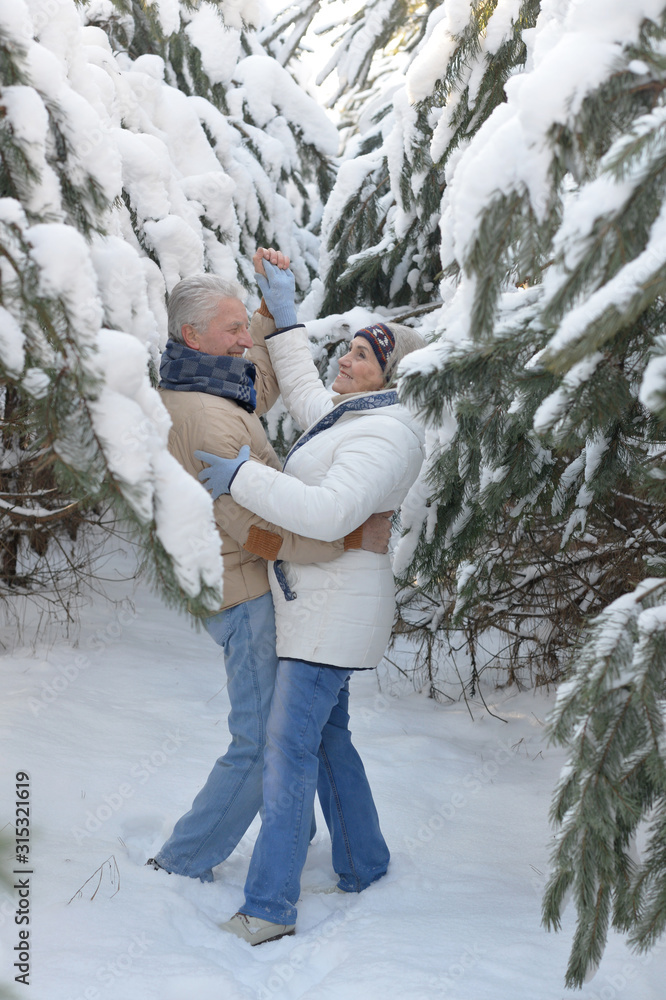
(202, 422)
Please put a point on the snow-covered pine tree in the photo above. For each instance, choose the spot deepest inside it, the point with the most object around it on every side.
(542, 502)
(274, 143)
(381, 232)
(496, 478)
(114, 184)
(369, 41)
(82, 428)
(275, 146)
(284, 36)
(364, 260)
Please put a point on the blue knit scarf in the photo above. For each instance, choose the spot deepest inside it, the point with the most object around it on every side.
(219, 375)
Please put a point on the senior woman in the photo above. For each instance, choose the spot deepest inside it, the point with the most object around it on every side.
(360, 454)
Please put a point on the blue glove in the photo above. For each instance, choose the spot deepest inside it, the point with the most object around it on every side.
(219, 477)
(278, 292)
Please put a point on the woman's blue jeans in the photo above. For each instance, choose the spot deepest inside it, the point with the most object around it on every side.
(228, 802)
(309, 744)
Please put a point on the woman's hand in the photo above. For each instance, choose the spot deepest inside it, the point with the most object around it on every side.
(220, 475)
(277, 285)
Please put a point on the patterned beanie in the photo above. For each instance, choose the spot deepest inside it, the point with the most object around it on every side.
(391, 342)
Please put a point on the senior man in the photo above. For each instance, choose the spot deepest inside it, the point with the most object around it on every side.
(215, 394)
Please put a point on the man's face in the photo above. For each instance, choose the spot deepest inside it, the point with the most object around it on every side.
(226, 333)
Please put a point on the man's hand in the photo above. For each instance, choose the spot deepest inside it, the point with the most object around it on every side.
(377, 532)
(276, 257)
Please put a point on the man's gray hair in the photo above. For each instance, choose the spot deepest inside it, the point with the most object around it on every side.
(195, 300)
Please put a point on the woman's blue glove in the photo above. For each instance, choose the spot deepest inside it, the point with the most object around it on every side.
(219, 477)
(278, 292)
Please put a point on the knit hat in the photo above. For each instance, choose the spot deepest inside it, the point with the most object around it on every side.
(391, 342)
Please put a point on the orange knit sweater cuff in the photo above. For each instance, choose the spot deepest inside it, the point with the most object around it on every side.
(354, 540)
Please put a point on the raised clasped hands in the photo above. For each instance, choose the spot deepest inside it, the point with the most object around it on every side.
(277, 285)
(275, 257)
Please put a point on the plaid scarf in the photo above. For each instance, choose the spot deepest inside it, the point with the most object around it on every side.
(219, 375)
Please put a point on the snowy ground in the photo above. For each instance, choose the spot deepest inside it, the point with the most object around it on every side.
(118, 732)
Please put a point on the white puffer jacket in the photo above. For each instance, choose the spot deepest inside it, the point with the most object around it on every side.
(337, 474)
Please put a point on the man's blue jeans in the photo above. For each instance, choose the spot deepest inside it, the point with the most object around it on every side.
(309, 744)
(232, 795)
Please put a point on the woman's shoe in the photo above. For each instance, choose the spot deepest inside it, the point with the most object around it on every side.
(254, 930)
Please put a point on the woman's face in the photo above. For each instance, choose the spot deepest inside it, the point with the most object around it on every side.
(359, 369)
